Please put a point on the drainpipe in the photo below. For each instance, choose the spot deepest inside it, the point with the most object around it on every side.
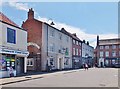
(47, 40)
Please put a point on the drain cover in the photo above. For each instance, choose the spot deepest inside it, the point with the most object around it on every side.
(102, 84)
(28, 77)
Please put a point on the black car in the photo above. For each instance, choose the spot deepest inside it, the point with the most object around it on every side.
(117, 65)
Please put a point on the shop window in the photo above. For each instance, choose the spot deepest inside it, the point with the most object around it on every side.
(6, 62)
(66, 61)
(11, 36)
(51, 61)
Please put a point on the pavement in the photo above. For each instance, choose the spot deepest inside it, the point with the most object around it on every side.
(94, 77)
(37, 75)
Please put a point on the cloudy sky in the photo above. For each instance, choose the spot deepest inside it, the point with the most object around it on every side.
(87, 19)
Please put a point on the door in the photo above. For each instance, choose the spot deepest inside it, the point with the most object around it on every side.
(60, 63)
(20, 65)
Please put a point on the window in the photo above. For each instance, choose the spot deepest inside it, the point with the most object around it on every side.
(52, 47)
(113, 46)
(101, 47)
(30, 62)
(67, 51)
(67, 39)
(113, 53)
(106, 47)
(101, 53)
(52, 33)
(107, 53)
(11, 36)
(73, 51)
(80, 52)
(51, 61)
(66, 61)
(80, 43)
(76, 42)
(76, 51)
(60, 36)
(73, 41)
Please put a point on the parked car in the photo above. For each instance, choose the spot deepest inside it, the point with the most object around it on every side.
(117, 65)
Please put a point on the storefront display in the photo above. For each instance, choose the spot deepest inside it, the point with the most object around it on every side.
(7, 62)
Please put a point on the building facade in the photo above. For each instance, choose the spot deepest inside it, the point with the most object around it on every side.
(13, 47)
(49, 47)
(87, 53)
(56, 48)
(108, 52)
(34, 29)
(76, 51)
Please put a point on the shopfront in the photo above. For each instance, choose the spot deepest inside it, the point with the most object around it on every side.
(12, 59)
(76, 62)
(110, 62)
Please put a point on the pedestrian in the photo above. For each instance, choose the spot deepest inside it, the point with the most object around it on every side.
(11, 72)
(86, 66)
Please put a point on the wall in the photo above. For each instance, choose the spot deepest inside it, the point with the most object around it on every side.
(86, 49)
(57, 43)
(21, 38)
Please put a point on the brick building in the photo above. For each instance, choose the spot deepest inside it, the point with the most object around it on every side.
(34, 29)
(48, 46)
(107, 52)
(76, 51)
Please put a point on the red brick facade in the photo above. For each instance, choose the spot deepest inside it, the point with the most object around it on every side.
(34, 29)
(109, 50)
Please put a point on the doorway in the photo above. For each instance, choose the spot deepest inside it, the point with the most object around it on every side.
(19, 65)
(60, 63)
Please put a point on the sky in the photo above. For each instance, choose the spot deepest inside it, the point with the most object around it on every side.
(87, 19)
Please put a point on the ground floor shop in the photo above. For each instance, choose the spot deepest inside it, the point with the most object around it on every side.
(111, 62)
(76, 62)
(108, 62)
(58, 62)
(12, 59)
(89, 61)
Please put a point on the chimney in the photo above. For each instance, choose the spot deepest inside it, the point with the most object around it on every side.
(83, 41)
(97, 40)
(87, 43)
(31, 14)
(74, 34)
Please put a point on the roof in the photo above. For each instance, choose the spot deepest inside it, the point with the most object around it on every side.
(109, 41)
(6, 19)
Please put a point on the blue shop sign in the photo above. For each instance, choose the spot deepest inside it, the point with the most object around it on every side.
(14, 52)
